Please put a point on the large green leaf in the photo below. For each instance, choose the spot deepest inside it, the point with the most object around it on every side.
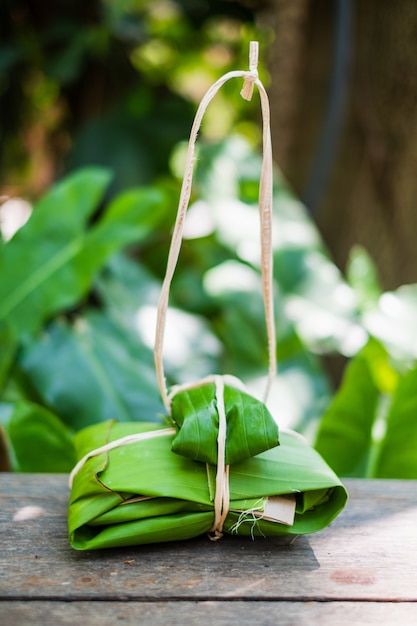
(50, 263)
(250, 428)
(40, 441)
(130, 294)
(124, 286)
(398, 451)
(94, 371)
(8, 345)
(344, 438)
(38, 277)
(130, 218)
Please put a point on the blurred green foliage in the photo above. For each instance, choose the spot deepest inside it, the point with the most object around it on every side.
(78, 311)
(105, 91)
(112, 83)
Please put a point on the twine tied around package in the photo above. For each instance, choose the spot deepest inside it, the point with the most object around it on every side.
(221, 497)
(265, 212)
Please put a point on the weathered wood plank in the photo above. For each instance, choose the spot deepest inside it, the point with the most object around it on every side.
(217, 613)
(367, 554)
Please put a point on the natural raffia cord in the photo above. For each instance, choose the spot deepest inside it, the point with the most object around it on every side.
(265, 211)
(221, 499)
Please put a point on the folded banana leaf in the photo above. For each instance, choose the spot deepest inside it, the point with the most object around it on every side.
(251, 429)
(143, 492)
(164, 485)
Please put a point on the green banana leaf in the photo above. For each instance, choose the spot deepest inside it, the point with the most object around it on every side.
(39, 441)
(145, 493)
(345, 434)
(108, 365)
(251, 429)
(40, 275)
(397, 457)
(50, 262)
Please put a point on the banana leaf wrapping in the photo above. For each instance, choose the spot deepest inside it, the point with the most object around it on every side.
(194, 410)
(221, 465)
(144, 492)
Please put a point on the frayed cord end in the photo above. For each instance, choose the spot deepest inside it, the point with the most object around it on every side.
(252, 76)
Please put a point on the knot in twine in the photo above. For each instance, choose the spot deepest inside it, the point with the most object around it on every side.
(252, 76)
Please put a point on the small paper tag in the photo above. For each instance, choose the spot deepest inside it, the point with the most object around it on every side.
(279, 509)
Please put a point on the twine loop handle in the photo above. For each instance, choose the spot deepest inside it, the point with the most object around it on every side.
(265, 210)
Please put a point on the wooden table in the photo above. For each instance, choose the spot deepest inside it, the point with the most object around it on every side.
(361, 570)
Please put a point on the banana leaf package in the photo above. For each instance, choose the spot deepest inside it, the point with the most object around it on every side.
(220, 463)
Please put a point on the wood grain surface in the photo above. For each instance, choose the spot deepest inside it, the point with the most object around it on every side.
(212, 613)
(363, 567)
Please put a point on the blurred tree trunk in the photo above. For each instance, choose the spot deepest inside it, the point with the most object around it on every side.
(370, 194)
